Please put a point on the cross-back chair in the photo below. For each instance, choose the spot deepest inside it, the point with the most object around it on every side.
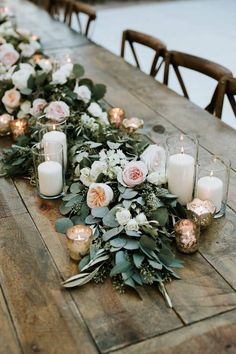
(226, 87)
(74, 7)
(215, 71)
(156, 44)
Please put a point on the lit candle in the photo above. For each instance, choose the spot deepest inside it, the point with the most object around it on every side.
(18, 127)
(210, 188)
(79, 239)
(50, 178)
(5, 124)
(55, 136)
(180, 176)
(187, 234)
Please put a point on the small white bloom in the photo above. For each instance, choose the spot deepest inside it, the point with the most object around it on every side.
(45, 65)
(154, 157)
(141, 219)
(157, 178)
(94, 127)
(85, 176)
(132, 225)
(25, 107)
(83, 93)
(97, 168)
(95, 109)
(123, 216)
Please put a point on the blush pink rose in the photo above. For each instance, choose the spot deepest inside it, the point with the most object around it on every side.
(11, 99)
(57, 110)
(135, 172)
(38, 106)
(8, 55)
(99, 195)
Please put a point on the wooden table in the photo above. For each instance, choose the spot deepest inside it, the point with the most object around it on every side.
(38, 316)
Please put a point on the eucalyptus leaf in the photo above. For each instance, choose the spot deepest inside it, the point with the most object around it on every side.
(132, 245)
(99, 91)
(64, 210)
(84, 261)
(155, 264)
(112, 233)
(148, 242)
(120, 257)
(110, 220)
(77, 220)
(75, 187)
(138, 259)
(99, 212)
(90, 220)
(80, 279)
(78, 70)
(63, 224)
(118, 242)
(112, 145)
(129, 194)
(120, 268)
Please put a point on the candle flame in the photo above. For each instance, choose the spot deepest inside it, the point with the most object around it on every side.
(53, 127)
(211, 173)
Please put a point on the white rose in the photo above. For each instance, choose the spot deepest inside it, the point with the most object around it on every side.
(57, 110)
(97, 168)
(132, 225)
(95, 109)
(8, 55)
(99, 195)
(27, 67)
(38, 106)
(104, 118)
(45, 65)
(85, 176)
(123, 216)
(154, 157)
(25, 107)
(11, 99)
(59, 77)
(20, 77)
(83, 93)
(67, 69)
(157, 178)
(141, 219)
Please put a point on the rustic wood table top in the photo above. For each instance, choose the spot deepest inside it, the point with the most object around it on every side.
(38, 316)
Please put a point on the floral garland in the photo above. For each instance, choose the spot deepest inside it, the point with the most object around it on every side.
(115, 179)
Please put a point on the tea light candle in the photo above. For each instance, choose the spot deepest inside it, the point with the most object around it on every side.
(5, 124)
(187, 233)
(180, 176)
(201, 211)
(18, 127)
(55, 136)
(79, 239)
(116, 116)
(133, 124)
(50, 178)
(210, 188)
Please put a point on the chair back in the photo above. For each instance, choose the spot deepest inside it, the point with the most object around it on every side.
(74, 7)
(226, 87)
(157, 45)
(201, 65)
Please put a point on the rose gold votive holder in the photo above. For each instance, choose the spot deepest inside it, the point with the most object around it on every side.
(201, 211)
(116, 116)
(187, 234)
(19, 127)
(79, 239)
(133, 124)
(5, 120)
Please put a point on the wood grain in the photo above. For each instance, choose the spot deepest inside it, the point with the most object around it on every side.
(46, 319)
(8, 340)
(215, 335)
(10, 201)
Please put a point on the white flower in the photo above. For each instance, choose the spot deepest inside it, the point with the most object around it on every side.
(141, 219)
(154, 157)
(38, 106)
(85, 176)
(28, 49)
(104, 119)
(95, 109)
(132, 225)
(123, 216)
(67, 69)
(11, 99)
(8, 55)
(157, 178)
(57, 110)
(97, 168)
(77, 171)
(83, 93)
(25, 107)
(81, 155)
(20, 77)
(59, 77)
(45, 65)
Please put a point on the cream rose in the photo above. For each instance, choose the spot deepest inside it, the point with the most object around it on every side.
(11, 99)
(57, 110)
(61, 75)
(157, 178)
(20, 78)
(154, 157)
(97, 168)
(85, 176)
(123, 216)
(134, 173)
(99, 195)
(83, 93)
(38, 106)
(94, 109)
(8, 55)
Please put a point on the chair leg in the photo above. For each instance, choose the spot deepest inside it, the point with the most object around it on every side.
(134, 54)
(153, 71)
(166, 70)
(181, 81)
(122, 50)
(233, 103)
(87, 27)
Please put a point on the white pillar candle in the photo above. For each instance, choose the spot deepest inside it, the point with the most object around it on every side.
(59, 137)
(180, 175)
(50, 178)
(210, 188)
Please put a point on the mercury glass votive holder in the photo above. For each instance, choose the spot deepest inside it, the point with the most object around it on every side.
(49, 169)
(212, 182)
(187, 234)
(116, 116)
(132, 124)
(19, 127)
(182, 152)
(5, 120)
(79, 239)
(201, 211)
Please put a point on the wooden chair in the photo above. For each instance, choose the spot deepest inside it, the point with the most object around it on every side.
(204, 66)
(74, 7)
(158, 46)
(226, 87)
